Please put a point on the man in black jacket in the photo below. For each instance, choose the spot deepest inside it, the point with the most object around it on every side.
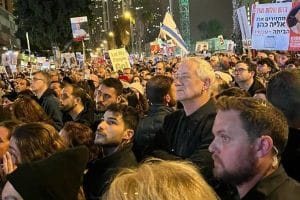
(46, 97)
(161, 95)
(186, 134)
(114, 134)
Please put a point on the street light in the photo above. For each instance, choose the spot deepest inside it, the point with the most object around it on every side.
(127, 15)
(111, 34)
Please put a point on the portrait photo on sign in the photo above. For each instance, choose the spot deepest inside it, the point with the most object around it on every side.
(293, 19)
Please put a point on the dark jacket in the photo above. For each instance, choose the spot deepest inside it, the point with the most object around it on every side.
(291, 156)
(50, 104)
(256, 85)
(148, 127)
(277, 186)
(86, 116)
(101, 171)
(188, 137)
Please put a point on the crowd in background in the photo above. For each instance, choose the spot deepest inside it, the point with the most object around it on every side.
(157, 130)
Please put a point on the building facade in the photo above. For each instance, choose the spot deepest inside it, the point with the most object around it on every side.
(7, 25)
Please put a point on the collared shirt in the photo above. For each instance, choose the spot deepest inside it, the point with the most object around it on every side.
(277, 186)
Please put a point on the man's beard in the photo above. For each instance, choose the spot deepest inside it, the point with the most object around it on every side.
(67, 108)
(241, 174)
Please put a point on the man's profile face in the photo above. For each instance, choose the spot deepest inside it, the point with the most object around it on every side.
(187, 82)
(105, 96)
(38, 83)
(110, 131)
(67, 100)
(21, 85)
(233, 154)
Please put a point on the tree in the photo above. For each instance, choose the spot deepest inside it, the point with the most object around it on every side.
(48, 21)
(210, 29)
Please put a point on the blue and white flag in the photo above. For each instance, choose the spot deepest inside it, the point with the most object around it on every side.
(169, 28)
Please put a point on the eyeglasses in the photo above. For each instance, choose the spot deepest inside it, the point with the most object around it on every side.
(239, 70)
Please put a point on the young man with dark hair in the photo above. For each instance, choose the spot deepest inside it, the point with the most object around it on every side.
(76, 105)
(109, 92)
(161, 93)
(114, 134)
(244, 76)
(247, 149)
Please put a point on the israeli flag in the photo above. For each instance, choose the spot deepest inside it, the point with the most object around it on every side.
(169, 28)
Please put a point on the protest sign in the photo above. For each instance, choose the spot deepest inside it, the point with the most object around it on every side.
(276, 26)
(119, 59)
(244, 26)
(201, 47)
(80, 28)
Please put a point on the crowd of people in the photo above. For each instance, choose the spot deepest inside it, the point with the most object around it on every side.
(220, 127)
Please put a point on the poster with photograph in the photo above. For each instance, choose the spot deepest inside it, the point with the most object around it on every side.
(79, 27)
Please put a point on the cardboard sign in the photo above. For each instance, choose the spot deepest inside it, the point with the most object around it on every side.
(276, 26)
(119, 59)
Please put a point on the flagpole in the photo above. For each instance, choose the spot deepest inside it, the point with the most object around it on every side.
(170, 7)
(29, 51)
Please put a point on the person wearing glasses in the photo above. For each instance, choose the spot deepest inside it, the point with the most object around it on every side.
(247, 149)
(46, 97)
(244, 77)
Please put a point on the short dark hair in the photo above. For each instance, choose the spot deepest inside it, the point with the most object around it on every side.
(251, 65)
(258, 118)
(60, 84)
(270, 63)
(283, 91)
(129, 115)
(78, 92)
(114, 83)
(158, 87)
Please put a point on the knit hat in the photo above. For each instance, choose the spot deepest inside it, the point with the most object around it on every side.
(58, 177)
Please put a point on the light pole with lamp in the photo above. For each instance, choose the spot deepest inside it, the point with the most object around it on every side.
(127, 15)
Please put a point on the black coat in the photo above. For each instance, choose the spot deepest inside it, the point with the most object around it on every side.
(148, 127)
(50, 104)
(100, 172)
(291, 156)
(188, 137)
(276, 186)
(86, 116)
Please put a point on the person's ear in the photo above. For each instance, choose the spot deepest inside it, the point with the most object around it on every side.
(207, 83)
(263, 146)
(78, 100)
(128, 134)
(119, 99)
